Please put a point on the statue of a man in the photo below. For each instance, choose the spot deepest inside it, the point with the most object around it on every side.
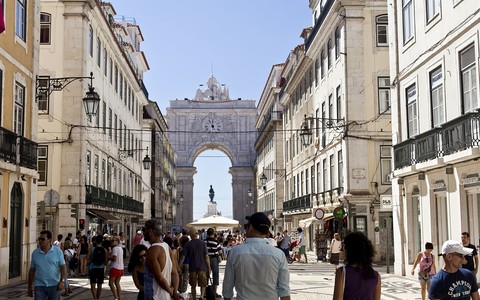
(211, 193)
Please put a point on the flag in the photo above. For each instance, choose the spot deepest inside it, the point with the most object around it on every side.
(2, 22)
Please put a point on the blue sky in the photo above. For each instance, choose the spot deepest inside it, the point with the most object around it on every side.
(239, 40)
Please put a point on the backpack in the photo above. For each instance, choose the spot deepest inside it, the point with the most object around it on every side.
(73, 262)
(98, 255)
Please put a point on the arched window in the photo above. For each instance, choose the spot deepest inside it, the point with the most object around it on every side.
(382, 30)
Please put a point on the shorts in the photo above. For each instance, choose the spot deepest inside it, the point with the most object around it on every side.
(424, 281)
(197, 276)
(96, 275)
(116, 272)
(335, 258)
(302, 250)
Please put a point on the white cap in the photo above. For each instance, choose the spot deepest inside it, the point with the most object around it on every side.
(139, 232)
(451, 246)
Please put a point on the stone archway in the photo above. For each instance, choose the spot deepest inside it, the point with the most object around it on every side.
(213, 121)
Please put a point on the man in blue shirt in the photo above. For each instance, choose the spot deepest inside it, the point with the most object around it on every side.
(48, 270)
(452, 281)
(256, 269)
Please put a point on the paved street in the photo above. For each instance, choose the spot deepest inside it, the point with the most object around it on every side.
(307, 281)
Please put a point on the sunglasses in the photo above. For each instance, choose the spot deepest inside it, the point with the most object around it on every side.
(41, 238)
(142, 256)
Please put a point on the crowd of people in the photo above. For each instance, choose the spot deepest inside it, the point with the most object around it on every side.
(163, 265)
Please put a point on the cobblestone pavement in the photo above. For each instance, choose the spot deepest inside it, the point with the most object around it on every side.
(314, 280)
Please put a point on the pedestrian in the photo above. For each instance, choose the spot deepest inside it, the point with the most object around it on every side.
(69, 256)
(255, 269)
(116, 268)
(97, 259)
(58, 243)
(161, 278)
(47, 270)
(214, 256)
(199, 263)
(357, 279)
(83, 249)
(183, 263)
(302, 244)
(136, 267)
(472, 260)
(452, 281)
(285, 244)
(426, 268)
(137, 239)
(336, 246)
(123, 244)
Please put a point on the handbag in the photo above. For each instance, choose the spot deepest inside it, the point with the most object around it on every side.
(210, 291)
(425, 273)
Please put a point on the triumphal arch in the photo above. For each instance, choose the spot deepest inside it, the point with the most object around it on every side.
(211, 120)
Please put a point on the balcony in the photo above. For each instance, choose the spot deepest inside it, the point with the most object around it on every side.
(27, 149)
(457, 135)
(298, 204)
(107, 199)
(268, 119)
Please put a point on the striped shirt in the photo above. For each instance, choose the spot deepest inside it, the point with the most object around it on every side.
(213, 246)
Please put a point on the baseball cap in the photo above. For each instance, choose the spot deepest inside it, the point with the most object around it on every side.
(259, 222)
(452, 246)
(139, 232)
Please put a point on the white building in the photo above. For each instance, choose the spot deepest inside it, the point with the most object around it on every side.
(436, 124)
(93, 163)
(337, 90)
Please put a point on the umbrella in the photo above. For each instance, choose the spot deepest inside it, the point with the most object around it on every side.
(217, 222)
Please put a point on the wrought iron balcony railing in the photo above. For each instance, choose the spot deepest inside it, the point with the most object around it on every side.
(8, 145)
(297, 204)
(459, 134)
(104, 198)
(28, 153)
(27, 149)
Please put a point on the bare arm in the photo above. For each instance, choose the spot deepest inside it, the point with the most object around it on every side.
(175, 268)
(155, 258)
(338, 288)
(419, 256)
(378, 288)
(285, 298)
(475, 296)
(475, 259)
(136, 281)
(31, 278)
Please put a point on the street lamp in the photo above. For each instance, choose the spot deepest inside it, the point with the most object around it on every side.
(46, 85)
(126, 153)
(306, 132)
(263, 179)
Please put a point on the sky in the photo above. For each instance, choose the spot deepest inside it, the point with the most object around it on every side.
(185, 41)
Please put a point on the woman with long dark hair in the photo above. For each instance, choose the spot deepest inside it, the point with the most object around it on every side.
(357, 279)
(136, 267)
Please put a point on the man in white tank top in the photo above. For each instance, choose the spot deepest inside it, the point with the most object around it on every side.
(161, 277)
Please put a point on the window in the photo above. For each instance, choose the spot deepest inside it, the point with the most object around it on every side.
(322, 63)
(324, 117)
(468, 75)
(90, 41)
(408, 19)
(120, 141)
(382, 30)
(312, 181)
(103, 174)
(330, 110)
(317, 69)
(383, 94)
(104, 115)
(433, 9)
(42, 164)
(340, 168)
(89, 168)
(339, 102)
(45, 26)
(99, 52)
(329, 53)
(436, 95)
(386, 163)
(21, 19)
(116, 79)
(337, 42)
(324, 175)
(95, 166)
(121, 86)
(332, 172)
(307, 191)
(105, 62)
(110, 123)
(18, 117)
(412, 110)
(115, 123)
(110, 65)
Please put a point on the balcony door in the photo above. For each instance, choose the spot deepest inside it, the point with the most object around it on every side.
(16, 213)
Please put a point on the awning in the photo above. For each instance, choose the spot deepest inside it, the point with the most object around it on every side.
(306, 222)
(105, 215)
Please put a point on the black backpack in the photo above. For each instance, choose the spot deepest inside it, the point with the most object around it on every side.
(98, 255)
(73, 263)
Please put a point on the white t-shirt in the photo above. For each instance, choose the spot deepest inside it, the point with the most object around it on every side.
(301, 237)
(118, 263)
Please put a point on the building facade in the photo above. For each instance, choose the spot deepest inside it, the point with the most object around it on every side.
(436, 124)
(336, 94)
(90, 166)
(270, 167)
(18, 147)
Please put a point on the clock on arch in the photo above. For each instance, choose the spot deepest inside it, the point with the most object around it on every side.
(212, 124)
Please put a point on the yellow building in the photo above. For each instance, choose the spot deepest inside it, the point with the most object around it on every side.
(18, 149)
